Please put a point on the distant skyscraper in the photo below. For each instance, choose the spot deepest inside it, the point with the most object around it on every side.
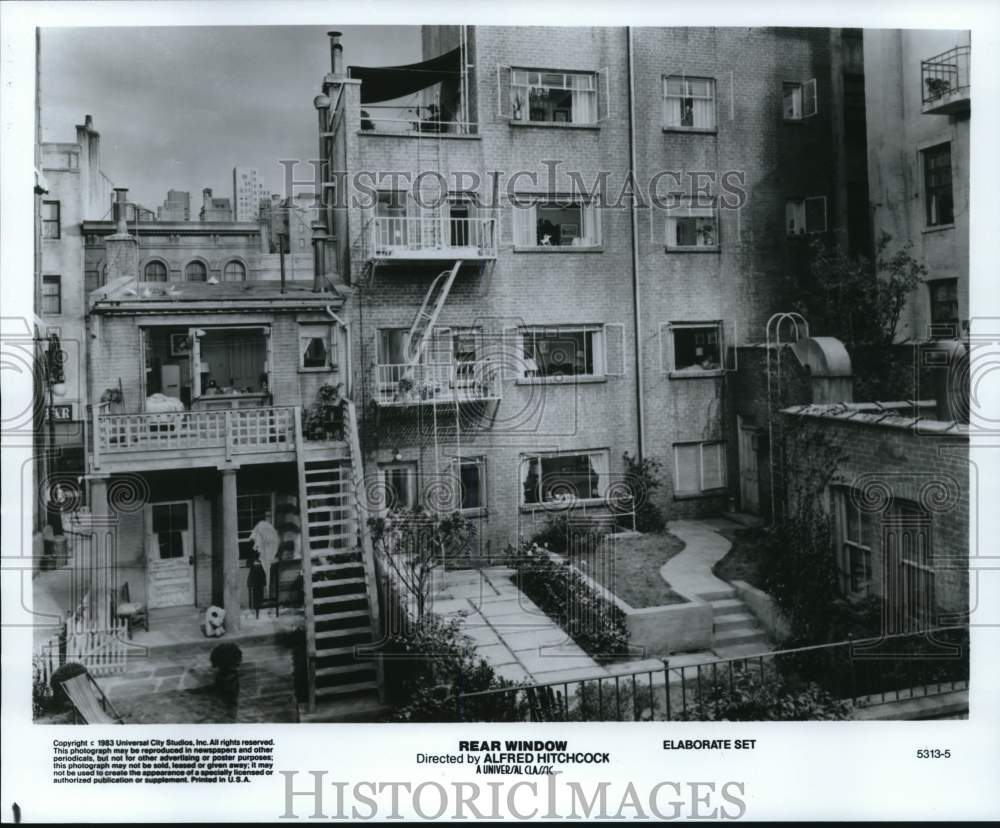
(248, 190)
(176, 206)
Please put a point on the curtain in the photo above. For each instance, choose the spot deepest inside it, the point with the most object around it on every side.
(686, 478)
(599, 464)
(584, 99)
(525, 226)
(704, 113)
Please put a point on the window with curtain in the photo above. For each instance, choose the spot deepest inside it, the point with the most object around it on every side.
(689, 103)
(316, 347)
(233, 361)
(699, 467)
(692, 224)
(234, 272)
(562, 352)
(51, 226)
(563, 477)
(155, 272)
(805, 215)
(553, 97)
(51, 294)
(556, 222)
(195, 272)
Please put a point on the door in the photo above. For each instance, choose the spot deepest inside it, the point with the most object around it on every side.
(169, 555)
(459, 222)
(749, 479)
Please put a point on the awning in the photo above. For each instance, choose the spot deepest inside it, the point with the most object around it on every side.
(386, 83)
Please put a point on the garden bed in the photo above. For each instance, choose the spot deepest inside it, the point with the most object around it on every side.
(633, 574)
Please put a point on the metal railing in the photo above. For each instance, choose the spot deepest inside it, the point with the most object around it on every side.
(237, 430)
(946, 75)
(865, 672)
(430, 383)
(432, 237)
(412, 120)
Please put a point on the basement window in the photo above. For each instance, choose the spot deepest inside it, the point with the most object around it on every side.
(696, 347)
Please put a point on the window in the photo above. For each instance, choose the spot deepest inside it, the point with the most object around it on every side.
(944, 302)
(688, 103)
(251, 509)
(907, 538)
(553, 222)
(553, 97)
(689, 226)
(155, 272)
(563, 477)
(170, 525)
(805, 215)
(937, 186)
(699, 467)
(195, 272)
(798, 100)
(562, 352)
(51, 227)
(92, 280)
(399, 486)
(234, 272)
(855, 529)
(472, 479)
(696, 347)
(51, 295)
(316, 347)
(231, 361)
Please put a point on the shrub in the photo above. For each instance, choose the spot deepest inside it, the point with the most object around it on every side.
(226, 657)
(644, 479)
(567, 536)
(596, 624)
(324, 419)
(601, 702)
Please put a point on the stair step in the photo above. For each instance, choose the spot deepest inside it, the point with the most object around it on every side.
(339, 690)
(344, 633)
(718, 595)
(344, 668)
(343, 599)
(333, 567)
(337, 616)
(330, 582)
(730, 637)
(728, 606)
(349, 649)
(736, 620)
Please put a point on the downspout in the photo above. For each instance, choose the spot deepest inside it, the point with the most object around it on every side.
(347, 351)
(636, 302)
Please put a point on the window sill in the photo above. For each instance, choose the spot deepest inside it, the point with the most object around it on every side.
(481, 512)
(699, 374)
(560, 379)
(553, 125)
(561, 248)
(331, 370)
(705, 249)
(560, 505)
(701, 495)
(937, 228)
(695, 130)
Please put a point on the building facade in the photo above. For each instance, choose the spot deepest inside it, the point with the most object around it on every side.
(248, 190)
(176, 206)
(214, 209)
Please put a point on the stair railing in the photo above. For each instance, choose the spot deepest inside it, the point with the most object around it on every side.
(306, 549)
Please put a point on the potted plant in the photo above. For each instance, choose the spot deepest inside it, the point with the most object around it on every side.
(405, 388)
(324, 419)
(937, 88)
(226, 659)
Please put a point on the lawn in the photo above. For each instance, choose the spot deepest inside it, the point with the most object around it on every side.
(742, 562)
(634, 573)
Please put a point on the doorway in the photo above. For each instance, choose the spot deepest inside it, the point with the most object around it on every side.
(169, 555)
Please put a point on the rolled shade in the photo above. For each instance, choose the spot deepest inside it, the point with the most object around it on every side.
(386, 83)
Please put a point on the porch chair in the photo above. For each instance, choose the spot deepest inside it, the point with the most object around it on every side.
(92, 706)
(134, 613)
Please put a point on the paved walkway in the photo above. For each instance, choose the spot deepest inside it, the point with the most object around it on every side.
(690, 571)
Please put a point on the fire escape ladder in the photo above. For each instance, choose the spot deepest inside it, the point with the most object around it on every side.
(430, 310)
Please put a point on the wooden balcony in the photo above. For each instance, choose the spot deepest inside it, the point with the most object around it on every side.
(945, 82)
(435, 238)
(437, 383)
(188, 439)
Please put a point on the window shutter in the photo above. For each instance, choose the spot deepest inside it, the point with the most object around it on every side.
(513, 354)
(792, 224)
(525, 226)
(810, 105)
(504, 109)
(604, 94)
(686, 477)
(815, 214)
(614, 350)
(665, 357)
(713, 465)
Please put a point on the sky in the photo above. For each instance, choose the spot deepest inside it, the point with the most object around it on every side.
(179, 107)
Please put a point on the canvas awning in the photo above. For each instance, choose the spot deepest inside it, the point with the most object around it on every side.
(386, 83)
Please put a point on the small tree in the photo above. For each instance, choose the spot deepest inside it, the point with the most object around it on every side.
(644, 479)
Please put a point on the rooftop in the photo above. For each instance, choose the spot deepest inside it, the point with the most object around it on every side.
(903, 414)
(128, 294)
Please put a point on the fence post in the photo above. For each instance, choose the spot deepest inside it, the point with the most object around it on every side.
(850, 658)
(666, 686)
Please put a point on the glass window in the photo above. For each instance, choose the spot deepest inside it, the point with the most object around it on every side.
(699, 467)
(689, 103)
(315, 344)
(696, 348)
(234, 272)
(400, 486)
(51, 227)
(692, 226)
(805, 215)
(251, 509)
(856, 532)
(944, 302)
(195, 272)
(792, 101)
(170, 523)
(472, 477)
(553, 97)
(556, 223)
(937, 186)
(233, 361)
(155, 272)
(554, 352)
(51, 294)
(564, 477)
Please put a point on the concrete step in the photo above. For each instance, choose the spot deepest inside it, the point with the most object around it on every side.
(361, 629)
(735, 621)
(344, 689)
(345, 669)
(728, 606)
(741, 650)
(728, 638)
(718, 595)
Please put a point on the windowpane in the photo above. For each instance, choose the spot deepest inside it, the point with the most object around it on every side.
(553, 97)
(792, 101)
(314, 355)
(686, 464)
(690, 226)
(51, 294)
(399, 487)
(170, 521)
(696, 348)
(195, 272)
(937, 184)
(251, 509)
(155, 272)
(471, 477)
(234, 272)
(713, 466)
(944, 301)
(51, 226)
(559, 352)
(689, 103)
(699, 467)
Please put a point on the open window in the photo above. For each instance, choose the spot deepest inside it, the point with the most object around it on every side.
(798, 100)
(563, 351)
(552, 97)
(692, 225)
(251, 509)
(699, 468)
(563, 477)
(472, 483)
(399, 487)
(317, 348)
(697, 346)
(805, 215)
(554, 222)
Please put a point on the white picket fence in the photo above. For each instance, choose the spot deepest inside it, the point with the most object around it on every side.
(100, 647)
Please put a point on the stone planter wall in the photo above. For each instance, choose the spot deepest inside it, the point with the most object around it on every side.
(766, 611)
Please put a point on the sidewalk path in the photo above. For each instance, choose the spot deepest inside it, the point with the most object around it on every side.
(690, 571)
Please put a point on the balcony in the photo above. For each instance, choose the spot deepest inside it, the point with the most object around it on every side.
(944, 80)
(404, 238)
(437, 383)
(183, 439)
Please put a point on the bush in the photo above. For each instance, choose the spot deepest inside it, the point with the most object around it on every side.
(644, 479)
(226, 657)
(567, 536)
(67, 671)
(596, 624)
(600, 702)
(324, 419)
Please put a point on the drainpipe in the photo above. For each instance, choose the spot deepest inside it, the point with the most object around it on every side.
(347, 351)
(636, 302)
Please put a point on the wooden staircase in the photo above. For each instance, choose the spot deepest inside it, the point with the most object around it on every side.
(341, 595)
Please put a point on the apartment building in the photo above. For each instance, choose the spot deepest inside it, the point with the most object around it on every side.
(176, 206)
(214, 209)
(515, 340)
(248, 190)
(918, 96)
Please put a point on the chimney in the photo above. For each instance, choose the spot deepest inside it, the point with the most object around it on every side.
(119, 210)
(336, 55)
(319, 255)
(121, 248)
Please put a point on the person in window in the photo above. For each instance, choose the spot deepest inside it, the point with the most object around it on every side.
(531, 483)
(212, 389)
